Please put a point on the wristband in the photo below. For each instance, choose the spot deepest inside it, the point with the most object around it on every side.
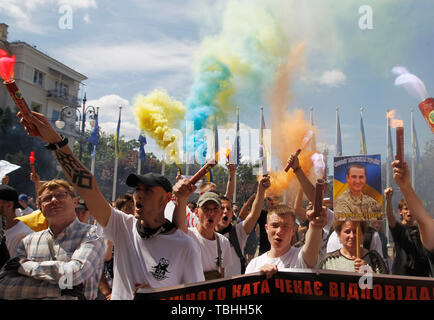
(57, 145)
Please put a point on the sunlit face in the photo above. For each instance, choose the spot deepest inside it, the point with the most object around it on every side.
(57, 203)
(280, 230)
(406, 215)
(356, 179)
(150, 203)
(227, 214)
(348, 235)
(209, 215)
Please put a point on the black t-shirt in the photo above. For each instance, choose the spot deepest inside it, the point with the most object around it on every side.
(411, 259)
(264, 244)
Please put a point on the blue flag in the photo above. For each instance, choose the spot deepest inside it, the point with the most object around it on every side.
(116, 137)
(142, 154)
(94, 136)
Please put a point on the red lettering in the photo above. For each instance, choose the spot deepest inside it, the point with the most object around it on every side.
(190, 296)
(279, 284)
(307, 288)
(201, 295)
(424, 294)
(365, 294)
(255, 287)
(353, 292)
(342, 290)
(317, 288)
(265, 287)
(297, 287)
(288, 286)
(389, 292)
(333, 289)
(221, 293)
(211, 294)
(236, 291)
(410, 293)
(399, 293)
(377, 292)
(246, 290)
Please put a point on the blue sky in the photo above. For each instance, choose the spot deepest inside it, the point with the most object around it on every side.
(131, 47)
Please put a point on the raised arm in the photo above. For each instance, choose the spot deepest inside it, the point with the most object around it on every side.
(250, 221)
(306, 185)
(425, 223)
(388, 194)
(300, 212)
(182, 190)
(313, 237)
(230, 187)
(76, 173)
(245, 208)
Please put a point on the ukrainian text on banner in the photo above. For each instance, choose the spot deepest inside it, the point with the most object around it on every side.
(300, 285)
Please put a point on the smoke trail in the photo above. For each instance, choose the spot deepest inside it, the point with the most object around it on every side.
(289, 129)
(236, 66)
(156, 114)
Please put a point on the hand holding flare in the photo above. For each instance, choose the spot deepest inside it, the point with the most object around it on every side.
(7, 73)
(308, 136)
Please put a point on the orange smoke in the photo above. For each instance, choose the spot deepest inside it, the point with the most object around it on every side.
(289, 129)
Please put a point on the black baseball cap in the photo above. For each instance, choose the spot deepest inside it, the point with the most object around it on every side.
(149, 179)
(9, 194)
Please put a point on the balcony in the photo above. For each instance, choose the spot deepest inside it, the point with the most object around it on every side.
(62, 98)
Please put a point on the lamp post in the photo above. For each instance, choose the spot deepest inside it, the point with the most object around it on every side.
(69, 114)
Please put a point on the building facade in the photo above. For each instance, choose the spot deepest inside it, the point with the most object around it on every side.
(47, 85)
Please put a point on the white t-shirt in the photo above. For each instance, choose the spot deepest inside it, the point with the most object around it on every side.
(161, 261)
(14, 236)
(293, 259)
(209, 252)
(235, 268)
(335, 244)
(191, 219)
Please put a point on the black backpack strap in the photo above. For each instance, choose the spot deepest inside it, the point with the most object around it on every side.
(233, 239)
(368, 238)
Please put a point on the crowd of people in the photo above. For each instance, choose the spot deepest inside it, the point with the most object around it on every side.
(72, 243)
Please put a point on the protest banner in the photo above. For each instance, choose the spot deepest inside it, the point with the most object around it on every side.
(300, 285)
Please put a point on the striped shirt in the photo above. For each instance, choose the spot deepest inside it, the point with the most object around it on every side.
(79, 259)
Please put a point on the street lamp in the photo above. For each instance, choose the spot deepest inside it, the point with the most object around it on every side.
(69, 114)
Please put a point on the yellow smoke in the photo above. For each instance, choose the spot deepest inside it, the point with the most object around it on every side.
(156, 113)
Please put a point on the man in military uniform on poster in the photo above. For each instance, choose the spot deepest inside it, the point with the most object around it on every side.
(353, 201)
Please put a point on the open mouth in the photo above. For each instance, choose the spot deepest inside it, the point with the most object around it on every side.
(225, 219)
(210, 221)
(139, 205)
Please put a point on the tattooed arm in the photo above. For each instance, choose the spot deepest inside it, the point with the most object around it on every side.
(76, 173)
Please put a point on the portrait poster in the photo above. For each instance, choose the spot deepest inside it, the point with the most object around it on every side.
(357, 190)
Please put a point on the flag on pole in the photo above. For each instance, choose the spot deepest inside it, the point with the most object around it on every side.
(116, 137)
(363, 149)
(142, 154)
(94, 137)
(236, 147)
(389, 142)
(338, 135)
(415, 145)
(264, 154)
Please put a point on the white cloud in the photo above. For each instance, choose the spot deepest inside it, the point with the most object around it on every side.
(161, 55)
(86, 18)
(333, 78)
